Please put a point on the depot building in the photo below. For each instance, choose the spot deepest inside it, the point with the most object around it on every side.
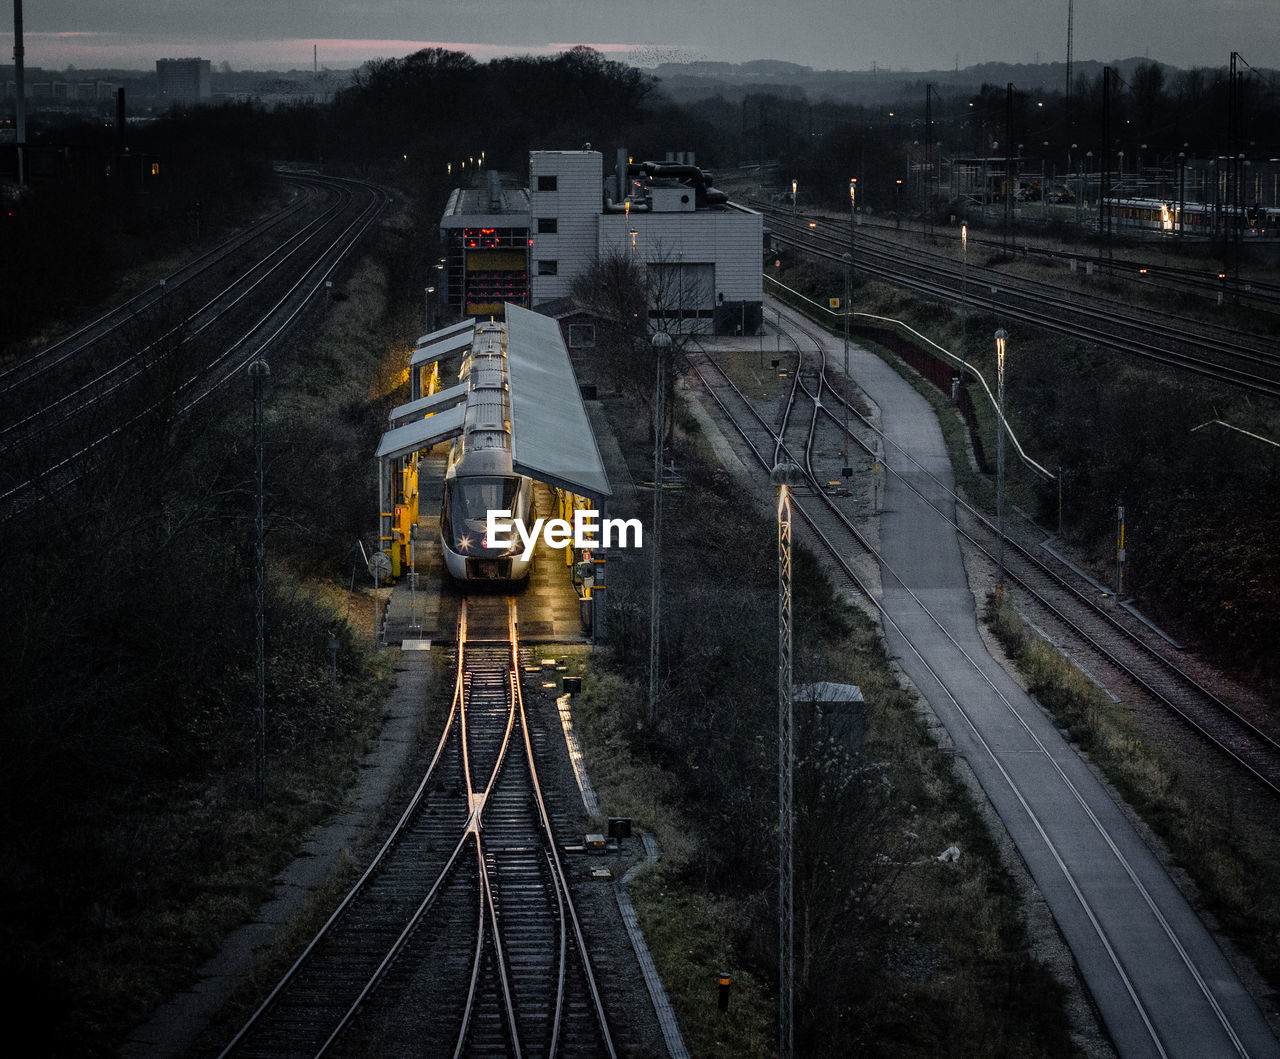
(527, 246)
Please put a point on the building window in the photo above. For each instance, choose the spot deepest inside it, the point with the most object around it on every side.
(582, 336)
(547, 183)
(546, 226)
(547, 268)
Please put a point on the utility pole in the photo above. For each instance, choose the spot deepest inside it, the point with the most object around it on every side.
(784, 474)
(1235, 227)
(661, 343)
(928, 157)
(258, 371)
(19, 84)
(1008, 166)
(1119, 551)
(1104, 159)
(1071, 15)
(1001, 336)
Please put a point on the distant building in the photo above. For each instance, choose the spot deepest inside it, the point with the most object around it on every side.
(183, 80)
(30, 75)
(485, 232)
(702, 252)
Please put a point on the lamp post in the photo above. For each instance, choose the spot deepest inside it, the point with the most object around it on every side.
(846, 470)
(853, 198)
(784, 475)
(259, 370)
(1119, 192)
(333, 657)
(1182, 188)
(898, 204)
(794, 186)
(964, 286)
(1001, 335)
(661, 343)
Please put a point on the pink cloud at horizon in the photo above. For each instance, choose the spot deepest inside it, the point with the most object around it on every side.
(114, 51)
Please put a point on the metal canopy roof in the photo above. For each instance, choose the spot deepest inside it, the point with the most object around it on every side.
(551, 437)
(422, 433)
(447, 332)
(826, 691)
(433, 348)
(446, 398)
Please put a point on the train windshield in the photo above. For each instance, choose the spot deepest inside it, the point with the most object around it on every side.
(474, 497)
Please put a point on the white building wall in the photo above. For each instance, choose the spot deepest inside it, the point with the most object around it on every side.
(575, 205)
(730, 239)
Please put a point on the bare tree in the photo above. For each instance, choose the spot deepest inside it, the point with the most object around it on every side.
(632, 300)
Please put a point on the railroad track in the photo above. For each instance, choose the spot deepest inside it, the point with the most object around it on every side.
(461, 936)
(223, 259)
(59, 415)
(1237, 359)
(1114, 904)
(1117, 644)
(1206, 282)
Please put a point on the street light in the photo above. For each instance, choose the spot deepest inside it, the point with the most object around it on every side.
(333, 656)
(899, 203)
(661, 342)
(853, 198)
(964, 286)
(1001, 335)
(794, 185)
(784, 475)
(846, 470)
(1182, 188)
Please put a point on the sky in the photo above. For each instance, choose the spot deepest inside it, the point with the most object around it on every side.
(824, 34)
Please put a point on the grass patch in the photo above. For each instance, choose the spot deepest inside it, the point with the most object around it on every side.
(898, 954)
(131, 760)
(1233, 859)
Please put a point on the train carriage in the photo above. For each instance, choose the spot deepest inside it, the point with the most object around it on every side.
(479, 476)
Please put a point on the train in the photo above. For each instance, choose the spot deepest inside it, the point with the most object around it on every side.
(1194, 218)
(479, 475)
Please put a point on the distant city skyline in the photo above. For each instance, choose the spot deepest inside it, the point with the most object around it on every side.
(915, 35)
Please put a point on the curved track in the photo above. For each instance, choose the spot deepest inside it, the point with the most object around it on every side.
(169, 352)
(1236, 359)
(1112, 635)
(466, 908)
(1136, 940)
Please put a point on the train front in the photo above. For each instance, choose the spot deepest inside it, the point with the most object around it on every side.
(468, 499)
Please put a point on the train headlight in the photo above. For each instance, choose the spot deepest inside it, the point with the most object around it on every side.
(464, 544)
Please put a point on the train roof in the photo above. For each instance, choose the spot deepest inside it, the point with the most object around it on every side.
(551, 436)
(517, 405)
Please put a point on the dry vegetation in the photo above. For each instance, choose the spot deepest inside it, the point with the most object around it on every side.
(897, 953)
(128, 704)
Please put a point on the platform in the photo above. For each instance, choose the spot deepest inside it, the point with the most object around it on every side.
(547, 603)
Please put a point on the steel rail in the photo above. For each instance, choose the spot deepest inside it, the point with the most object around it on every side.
(216, 307)
(1070, 785)
(64, 348)
(562, 889)
(1267, 744)
(375, 864)
(1148, 351)
(365, 220)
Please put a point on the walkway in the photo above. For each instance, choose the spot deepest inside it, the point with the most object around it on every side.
(1159, 980)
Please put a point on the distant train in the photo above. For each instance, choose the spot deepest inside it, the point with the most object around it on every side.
(1193, 218)
(1267, 219)
(479, 476)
